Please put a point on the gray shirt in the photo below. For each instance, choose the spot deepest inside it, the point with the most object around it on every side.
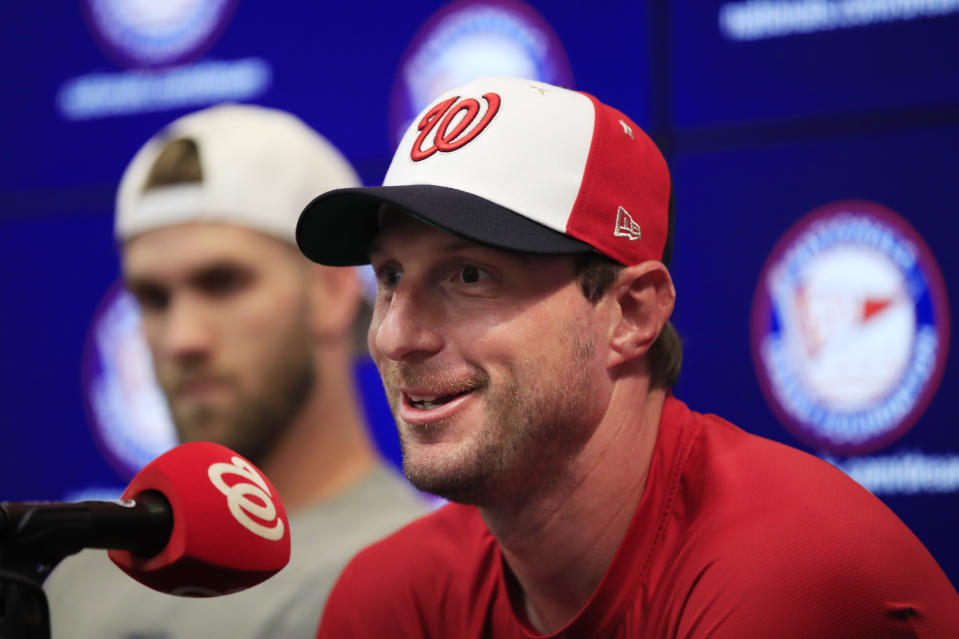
(90, 598)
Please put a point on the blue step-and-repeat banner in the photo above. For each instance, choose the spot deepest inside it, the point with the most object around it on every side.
(813, 145)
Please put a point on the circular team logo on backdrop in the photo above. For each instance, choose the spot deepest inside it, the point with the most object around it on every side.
(125, 407)
(155, 33)
(470, 39)
(850, 328)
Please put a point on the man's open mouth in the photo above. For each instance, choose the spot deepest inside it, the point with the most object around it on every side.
(429, 402)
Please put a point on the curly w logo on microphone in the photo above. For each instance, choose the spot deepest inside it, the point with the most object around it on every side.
(238, 498)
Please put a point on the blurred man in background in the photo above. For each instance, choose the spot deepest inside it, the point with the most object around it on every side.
(253, 347)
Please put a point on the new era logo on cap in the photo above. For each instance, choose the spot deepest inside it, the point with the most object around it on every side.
(626, 226)
(521, 165)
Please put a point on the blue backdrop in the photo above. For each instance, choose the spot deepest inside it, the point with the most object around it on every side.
(764, 115)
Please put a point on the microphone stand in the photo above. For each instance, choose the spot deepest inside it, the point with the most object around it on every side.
(30, 548)
(24, 612)
(33, 540)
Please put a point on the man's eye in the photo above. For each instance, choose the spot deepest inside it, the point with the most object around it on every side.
(150, 298)
(471, 274)
(389, 277)
(219, 282)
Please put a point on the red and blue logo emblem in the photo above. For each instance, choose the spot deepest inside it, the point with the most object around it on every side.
(470, 39)
(146, 33)
(850, 328)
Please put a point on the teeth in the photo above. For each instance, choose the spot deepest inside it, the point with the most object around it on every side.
(422, 398)
(429, 402)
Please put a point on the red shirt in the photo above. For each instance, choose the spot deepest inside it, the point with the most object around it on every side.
(735, 537)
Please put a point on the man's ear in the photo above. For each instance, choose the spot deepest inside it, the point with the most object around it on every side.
(334, 300)
(645, 296)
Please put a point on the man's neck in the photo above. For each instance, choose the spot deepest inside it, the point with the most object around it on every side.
(326, 450)
(559, 544)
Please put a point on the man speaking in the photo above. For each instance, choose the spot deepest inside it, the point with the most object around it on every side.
(521, 242)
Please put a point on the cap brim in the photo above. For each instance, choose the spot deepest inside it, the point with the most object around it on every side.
(338, 227)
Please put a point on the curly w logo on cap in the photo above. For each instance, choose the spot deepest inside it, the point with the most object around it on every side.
(450, 140)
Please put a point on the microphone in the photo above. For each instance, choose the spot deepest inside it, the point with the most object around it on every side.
(49, 531)
(197, 521)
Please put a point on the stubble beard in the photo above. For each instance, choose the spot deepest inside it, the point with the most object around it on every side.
(529, 433)
(258, 420)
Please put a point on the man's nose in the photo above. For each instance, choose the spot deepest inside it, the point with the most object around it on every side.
(409, 327)
(188, 330)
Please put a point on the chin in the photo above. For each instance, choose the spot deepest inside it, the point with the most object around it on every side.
(206, 429)
(465, 483)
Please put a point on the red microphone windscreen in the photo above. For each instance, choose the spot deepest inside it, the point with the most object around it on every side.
(230, 530)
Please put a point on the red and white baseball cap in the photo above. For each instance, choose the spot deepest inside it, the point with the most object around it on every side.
(515, 164)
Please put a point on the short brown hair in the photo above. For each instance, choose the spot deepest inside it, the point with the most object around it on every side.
(177, 163)
(596, 274)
